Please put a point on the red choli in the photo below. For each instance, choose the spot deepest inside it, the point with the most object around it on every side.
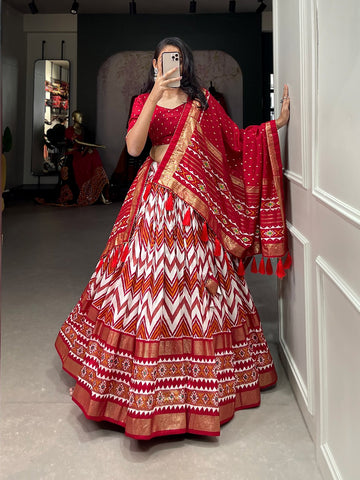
(163, 123)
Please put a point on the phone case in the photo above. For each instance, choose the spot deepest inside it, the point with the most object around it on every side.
(169, 61)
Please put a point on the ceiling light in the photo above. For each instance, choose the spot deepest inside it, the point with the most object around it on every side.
(232, 5)
(192, 7)
(75, 7)
(33, 7)
(261, 7)
(132, 7)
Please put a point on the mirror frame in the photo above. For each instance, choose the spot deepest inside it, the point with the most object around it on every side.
(47, 104)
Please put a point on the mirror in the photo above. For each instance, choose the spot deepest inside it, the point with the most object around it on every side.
(50, 115)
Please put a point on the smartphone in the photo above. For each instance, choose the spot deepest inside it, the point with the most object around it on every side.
(171, 60)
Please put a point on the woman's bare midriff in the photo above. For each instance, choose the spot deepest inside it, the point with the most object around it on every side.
(157, 152)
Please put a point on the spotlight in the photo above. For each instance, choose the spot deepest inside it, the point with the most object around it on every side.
(132, 7)
(192, 8)
(75, 7)
(232, 4)
(261, 7)
(33, 7)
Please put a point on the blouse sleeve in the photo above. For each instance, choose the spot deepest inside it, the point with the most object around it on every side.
(136, 110)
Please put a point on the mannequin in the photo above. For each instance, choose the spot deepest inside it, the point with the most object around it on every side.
(76, 131)
(83, 178)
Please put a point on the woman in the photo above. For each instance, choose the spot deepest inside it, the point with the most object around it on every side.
(166, 338)
(83, 178)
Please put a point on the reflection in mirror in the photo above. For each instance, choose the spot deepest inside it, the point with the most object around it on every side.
(50, 115)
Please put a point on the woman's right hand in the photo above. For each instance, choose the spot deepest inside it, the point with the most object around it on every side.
(136, 137)
(161, 83)
(285, 109)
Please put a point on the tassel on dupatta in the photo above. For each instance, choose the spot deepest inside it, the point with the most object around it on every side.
(288, 262)
(186, 219)
(217, 251)
(169, 204)
(262, 266)
(254, 266)
(269, 268)
(280, 272)
(204, 233)
(241, 269)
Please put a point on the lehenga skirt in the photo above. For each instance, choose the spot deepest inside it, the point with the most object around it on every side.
(167, 340)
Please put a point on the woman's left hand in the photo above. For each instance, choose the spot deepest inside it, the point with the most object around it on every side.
(285, 109)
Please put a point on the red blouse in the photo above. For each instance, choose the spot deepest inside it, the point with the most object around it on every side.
(163, 123)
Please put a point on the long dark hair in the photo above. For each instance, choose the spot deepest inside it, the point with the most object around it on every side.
(189, 83)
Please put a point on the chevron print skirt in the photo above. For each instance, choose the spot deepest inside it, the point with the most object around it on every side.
(168, 340)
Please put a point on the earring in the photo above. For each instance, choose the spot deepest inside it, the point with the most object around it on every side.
(155, 73)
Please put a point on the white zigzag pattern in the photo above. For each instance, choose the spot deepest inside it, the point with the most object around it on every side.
(168, 262)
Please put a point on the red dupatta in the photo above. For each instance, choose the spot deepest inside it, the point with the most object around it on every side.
(232, 177)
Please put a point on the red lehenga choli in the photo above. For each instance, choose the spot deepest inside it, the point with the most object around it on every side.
(166, 338)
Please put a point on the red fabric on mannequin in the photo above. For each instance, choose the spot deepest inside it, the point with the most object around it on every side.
(85, 164)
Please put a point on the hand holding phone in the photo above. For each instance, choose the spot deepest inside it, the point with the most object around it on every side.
(171, 60)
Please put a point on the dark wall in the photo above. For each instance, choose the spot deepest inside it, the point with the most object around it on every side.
(100, 36)
(267, 68)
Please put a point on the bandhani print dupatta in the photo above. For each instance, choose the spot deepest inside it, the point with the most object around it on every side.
(231, 177)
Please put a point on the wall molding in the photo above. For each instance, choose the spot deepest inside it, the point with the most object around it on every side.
(330, 462)
(342, 208)
(305, 388)
(294, 369)
(295, 177)
(348, 292)
(323, 270)
(306, 113)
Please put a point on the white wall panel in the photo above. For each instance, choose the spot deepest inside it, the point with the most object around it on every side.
(287, 45)
(321, 354)
(337, 158)
(339, 333)
(293, 33)
(294, 327)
